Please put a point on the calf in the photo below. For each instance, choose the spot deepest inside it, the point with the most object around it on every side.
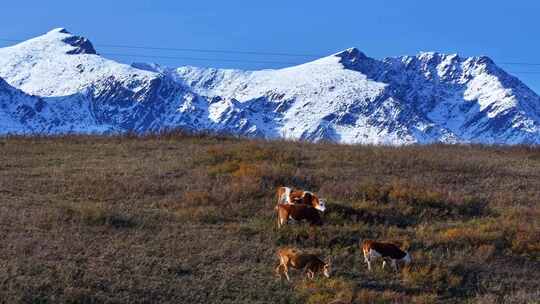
(286, 195)
(297, 213)
(374, 250)
(311, 264)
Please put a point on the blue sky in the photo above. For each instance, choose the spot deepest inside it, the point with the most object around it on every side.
(507, 31)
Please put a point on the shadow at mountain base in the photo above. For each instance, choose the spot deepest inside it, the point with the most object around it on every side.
(325, 132)
(107, 107)
(258, 117)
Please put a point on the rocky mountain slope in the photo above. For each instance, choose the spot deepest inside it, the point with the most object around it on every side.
(57, 83)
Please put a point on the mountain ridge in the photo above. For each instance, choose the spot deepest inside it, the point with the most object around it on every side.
(346, 97)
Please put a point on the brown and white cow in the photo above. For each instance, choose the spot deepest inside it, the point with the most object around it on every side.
(286, 195)
(387, 251)
(293, 258)
(297, 213)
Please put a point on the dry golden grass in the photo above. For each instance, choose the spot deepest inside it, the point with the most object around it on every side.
(189, 219)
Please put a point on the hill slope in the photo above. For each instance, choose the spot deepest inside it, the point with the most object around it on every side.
(177, 219)
(347, 97)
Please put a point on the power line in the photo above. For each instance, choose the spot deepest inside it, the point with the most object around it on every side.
(242, 52)
(207, 50)
(236, 52)
(192, 50)
(523, 72)
(520, 63)
(197, 59)
(249, 61)
(192, 58)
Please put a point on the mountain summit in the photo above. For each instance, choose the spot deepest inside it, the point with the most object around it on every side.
(347, 97)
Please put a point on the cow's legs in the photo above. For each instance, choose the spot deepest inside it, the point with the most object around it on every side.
(283, 262)
(277, 270)
(308, 272)
(366, 259)
(383, 264)
(371, 257)
(286, 272)
(283, 217)
(394, 265)
(282, 222)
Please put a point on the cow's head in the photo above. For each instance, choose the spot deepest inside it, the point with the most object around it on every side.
(321, 204)
(326, 269)
(407, 259)
(309, 198)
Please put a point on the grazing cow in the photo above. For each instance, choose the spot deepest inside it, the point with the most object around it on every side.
(297, 213)
(286, 195)
(374, 250)
(310, 263)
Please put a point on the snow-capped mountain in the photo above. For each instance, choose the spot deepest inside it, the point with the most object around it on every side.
(347, 97)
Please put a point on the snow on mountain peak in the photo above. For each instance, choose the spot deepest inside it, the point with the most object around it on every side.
(346, 97)
(58, 40)
(59, 63)
(59, 30)
(351, 54)
(80, 45)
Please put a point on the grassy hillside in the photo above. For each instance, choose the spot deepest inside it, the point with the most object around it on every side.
(189, 219)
